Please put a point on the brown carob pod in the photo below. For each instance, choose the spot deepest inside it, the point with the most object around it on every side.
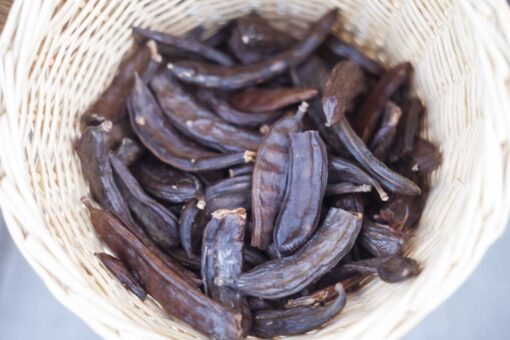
(391, 269)
(112, 103)
(342, 49)
(129, 151)
(342, 169)
(289, 275)
(159, 223)
(179, 299)
(191, 226)
(93, 151)
(381, 240)
(125, 277)
(196, 122)
(346, 82)
(265, 99)
(370, 112)
(166, 183)
(222, 255)
(270, 177)
(235, 77)
(232, 115)
(306, 184)
(167, 144)
(297, 320)
(184, 44)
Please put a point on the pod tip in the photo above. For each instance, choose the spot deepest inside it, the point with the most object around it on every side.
(201, 204)
(249, 156)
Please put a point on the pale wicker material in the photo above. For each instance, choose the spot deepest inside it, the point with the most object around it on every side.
(57, 56)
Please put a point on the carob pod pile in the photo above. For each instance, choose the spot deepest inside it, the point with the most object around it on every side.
(249, 181)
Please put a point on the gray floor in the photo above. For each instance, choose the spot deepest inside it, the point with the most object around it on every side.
(478, 310)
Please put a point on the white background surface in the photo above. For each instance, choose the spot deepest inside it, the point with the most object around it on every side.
(480, 309)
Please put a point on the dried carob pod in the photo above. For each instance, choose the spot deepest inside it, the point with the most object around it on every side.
(222, 255)
(169, 145)
(305, 188)
(288, 275)
(125, 277)
(297, 320)
(234, 77)
(270, 177)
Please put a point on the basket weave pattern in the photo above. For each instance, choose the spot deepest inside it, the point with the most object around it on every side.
(57, 56)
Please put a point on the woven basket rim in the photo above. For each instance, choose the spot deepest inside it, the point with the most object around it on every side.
(27, 223)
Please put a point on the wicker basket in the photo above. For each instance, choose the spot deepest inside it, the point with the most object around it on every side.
(57, 57)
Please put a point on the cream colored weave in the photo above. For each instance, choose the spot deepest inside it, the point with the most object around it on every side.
(57, 57)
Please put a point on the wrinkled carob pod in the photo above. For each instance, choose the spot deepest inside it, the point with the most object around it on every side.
(167, 144)
(270, 177)
(346, 82)
(286, 276)
(306, 184)
(229, 193)
(253, 39)
(191, 226)
(391, 269)
(119, 270)
(196, 121)
(236, 77)
(159, 223)
(181, 300)
(112, 103)
(232, 115)
(184, 44)
(93, 151)
(262, 100)
(370, 112)
(380, 239)
(297, 320)
(166, 183)
(222, 255)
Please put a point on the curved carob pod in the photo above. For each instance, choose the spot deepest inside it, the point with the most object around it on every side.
(222, 255)
(197, 122)
(391, 269)
(166, 183)
(159, 223)
(350, 202)
(232, 115)
(289, 275)
(270, 177)
(370, 112)
(407, 129)
(101, 216)
(306, 184)
(298, 320)
(388, 178)
(229, 193)
(381, 240)
(270, 99)
(112, 103)
(236, 77)
(177, 297)
(342, 49)
(384, 137)
(346, 188)
(253, 39)
(184, 44)
(344, 170)
(167, 144)
(92, 148)
(191, 226)
(424, 158)
(125, 277)
(402, 212)
(129, 151)
(240, 170)
(325, 294)
(346, 82)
